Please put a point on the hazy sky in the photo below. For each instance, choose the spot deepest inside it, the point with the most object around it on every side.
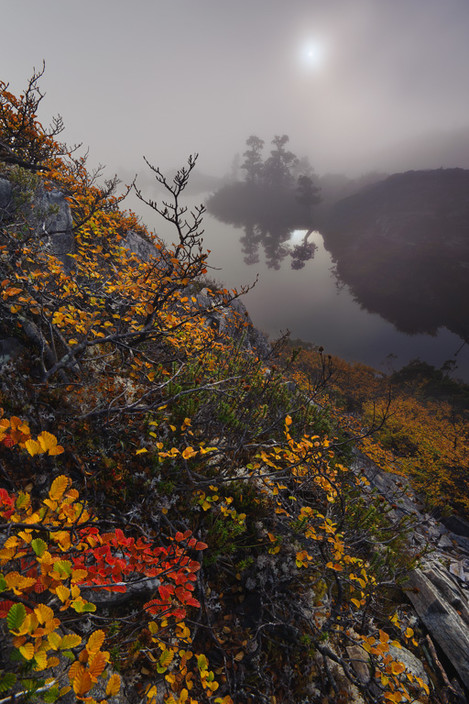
(345, 79)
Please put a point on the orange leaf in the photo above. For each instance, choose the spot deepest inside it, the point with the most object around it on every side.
(397, 668)
(97, 664)
(82, 682)
(188, 453)
(113, 685)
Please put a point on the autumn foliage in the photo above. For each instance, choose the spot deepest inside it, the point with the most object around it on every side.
(173, 517)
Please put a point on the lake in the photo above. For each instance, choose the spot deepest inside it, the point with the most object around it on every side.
(309, 303)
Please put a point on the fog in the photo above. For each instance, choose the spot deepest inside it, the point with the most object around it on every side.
(356, 84)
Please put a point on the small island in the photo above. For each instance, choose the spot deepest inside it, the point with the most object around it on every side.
(276, 196)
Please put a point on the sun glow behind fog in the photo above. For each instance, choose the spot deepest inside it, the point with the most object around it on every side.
(313, 54)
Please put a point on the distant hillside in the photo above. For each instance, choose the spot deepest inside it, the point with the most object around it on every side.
(402, 245)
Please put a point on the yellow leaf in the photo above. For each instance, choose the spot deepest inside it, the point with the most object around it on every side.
(48, 443)
(58, 485)
(33, 447)
(18, 583)
(71, 640)
(152, 692)
(27, 651)
(44, 613)
(78, 576)
(25, 535)
(63, 593)
(95, 641)
(54, 640)
(141, 451)
(40, 659)
(113, 685)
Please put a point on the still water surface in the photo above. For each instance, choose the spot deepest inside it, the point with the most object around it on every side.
(311, 305)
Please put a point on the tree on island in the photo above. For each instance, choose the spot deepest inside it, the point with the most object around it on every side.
(276, 197)
(253, 164)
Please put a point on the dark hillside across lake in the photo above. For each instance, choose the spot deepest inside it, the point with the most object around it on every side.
(402, 245)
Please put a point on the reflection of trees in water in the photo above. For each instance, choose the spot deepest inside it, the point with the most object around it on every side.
(276, 198)
(276, 247)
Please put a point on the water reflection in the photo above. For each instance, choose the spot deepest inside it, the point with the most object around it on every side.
(278, 243)
(312, 307)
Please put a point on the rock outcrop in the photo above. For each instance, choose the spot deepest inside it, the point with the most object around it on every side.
(439, 587)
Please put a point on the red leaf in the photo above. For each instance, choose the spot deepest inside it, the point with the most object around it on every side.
(166, 591)
(193, 602)
(5, 606)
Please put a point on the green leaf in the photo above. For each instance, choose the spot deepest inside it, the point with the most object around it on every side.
(83, 607)
(202, 662)
(39, 546)
(21, 500)
(7, 681)
(3, 584)
(31, 685)
(16, 616)
(63, 567)
(68, 654)
(51, 695)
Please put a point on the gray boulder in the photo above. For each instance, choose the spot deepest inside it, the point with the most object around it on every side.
(443, 607)
(5, 194)
(52, 221)
(140, 246)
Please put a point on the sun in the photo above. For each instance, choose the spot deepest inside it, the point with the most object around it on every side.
(313, 54)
